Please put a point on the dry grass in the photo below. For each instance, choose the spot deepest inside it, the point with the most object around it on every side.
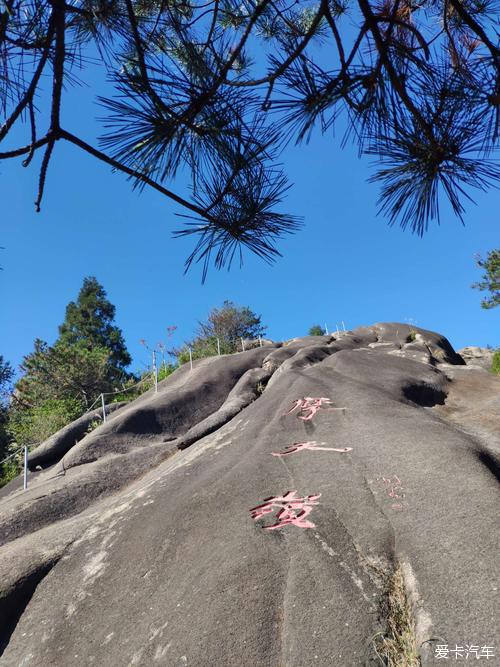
(397, 646)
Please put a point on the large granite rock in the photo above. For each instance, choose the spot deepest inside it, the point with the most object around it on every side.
(169, 536)
(54, 448)
(477, 356)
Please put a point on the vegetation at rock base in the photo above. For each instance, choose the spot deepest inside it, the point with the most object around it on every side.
(216, 91)
(8, 469)
(32, 425)
(491, 279)
(495, 364)
(63, 371)
(60, 381)
(228, 324)
(137, 386)
(397, 645)
(6, 375)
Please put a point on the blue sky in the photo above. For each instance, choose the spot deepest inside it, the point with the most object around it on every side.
(344, 264)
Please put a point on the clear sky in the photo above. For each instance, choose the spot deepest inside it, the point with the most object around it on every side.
(344, 264)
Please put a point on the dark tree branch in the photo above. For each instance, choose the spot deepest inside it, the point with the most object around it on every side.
(59, 57)
(336, 34)
(17, 152)
(33, 135)
(27, 98)
(133, 173)
(186, 99)
(470, 21)
(43, 173)
(407, 26)
(396, 81)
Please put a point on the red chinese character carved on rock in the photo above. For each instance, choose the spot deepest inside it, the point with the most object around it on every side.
(309, 406)
(291, 510)
(311, 444)
(394, 489)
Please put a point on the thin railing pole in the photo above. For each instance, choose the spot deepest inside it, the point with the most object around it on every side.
(103, 408)
(326, 329)
(191, 358)
(343, 325)
(25, 481)
(155, 372)
(242, 345)
(218, 347)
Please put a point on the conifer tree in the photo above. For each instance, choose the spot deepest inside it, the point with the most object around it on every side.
(89, 322)
(6, 375)
(61, 381)
(491, 279)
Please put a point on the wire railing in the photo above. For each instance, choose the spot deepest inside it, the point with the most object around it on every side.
(101, 397)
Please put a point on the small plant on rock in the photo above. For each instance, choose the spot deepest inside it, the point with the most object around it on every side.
(495, 363)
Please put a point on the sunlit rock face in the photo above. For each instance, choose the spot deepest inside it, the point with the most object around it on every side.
(477, 356)
(253, 512)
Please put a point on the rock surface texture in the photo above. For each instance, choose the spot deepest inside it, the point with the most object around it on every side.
(477, 356)
(252, 512)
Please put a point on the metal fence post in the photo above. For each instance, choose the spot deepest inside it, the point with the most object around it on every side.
(218, 347)
(242, 345)
(155, 372)
(103, 408)
(191, 358)
(25, 481)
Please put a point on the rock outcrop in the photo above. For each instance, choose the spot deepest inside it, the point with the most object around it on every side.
(258, 510)
(54, 448)
(477, 356)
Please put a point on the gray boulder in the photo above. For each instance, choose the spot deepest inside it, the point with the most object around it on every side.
(282, 506)
(481, 357)
(54, 448)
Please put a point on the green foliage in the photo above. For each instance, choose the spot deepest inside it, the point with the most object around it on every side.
(229, 325)
(31, 426)
(317, 330)
(136, 386)
(148, 380)
(261, 387)
(6, 375)
(205, 347)
(63, 371)
(491, 278)
(93, 425)
(9, 470)
(165, 371)
(495, 364)
(5, 435)
(61, 381)
(89, 323)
